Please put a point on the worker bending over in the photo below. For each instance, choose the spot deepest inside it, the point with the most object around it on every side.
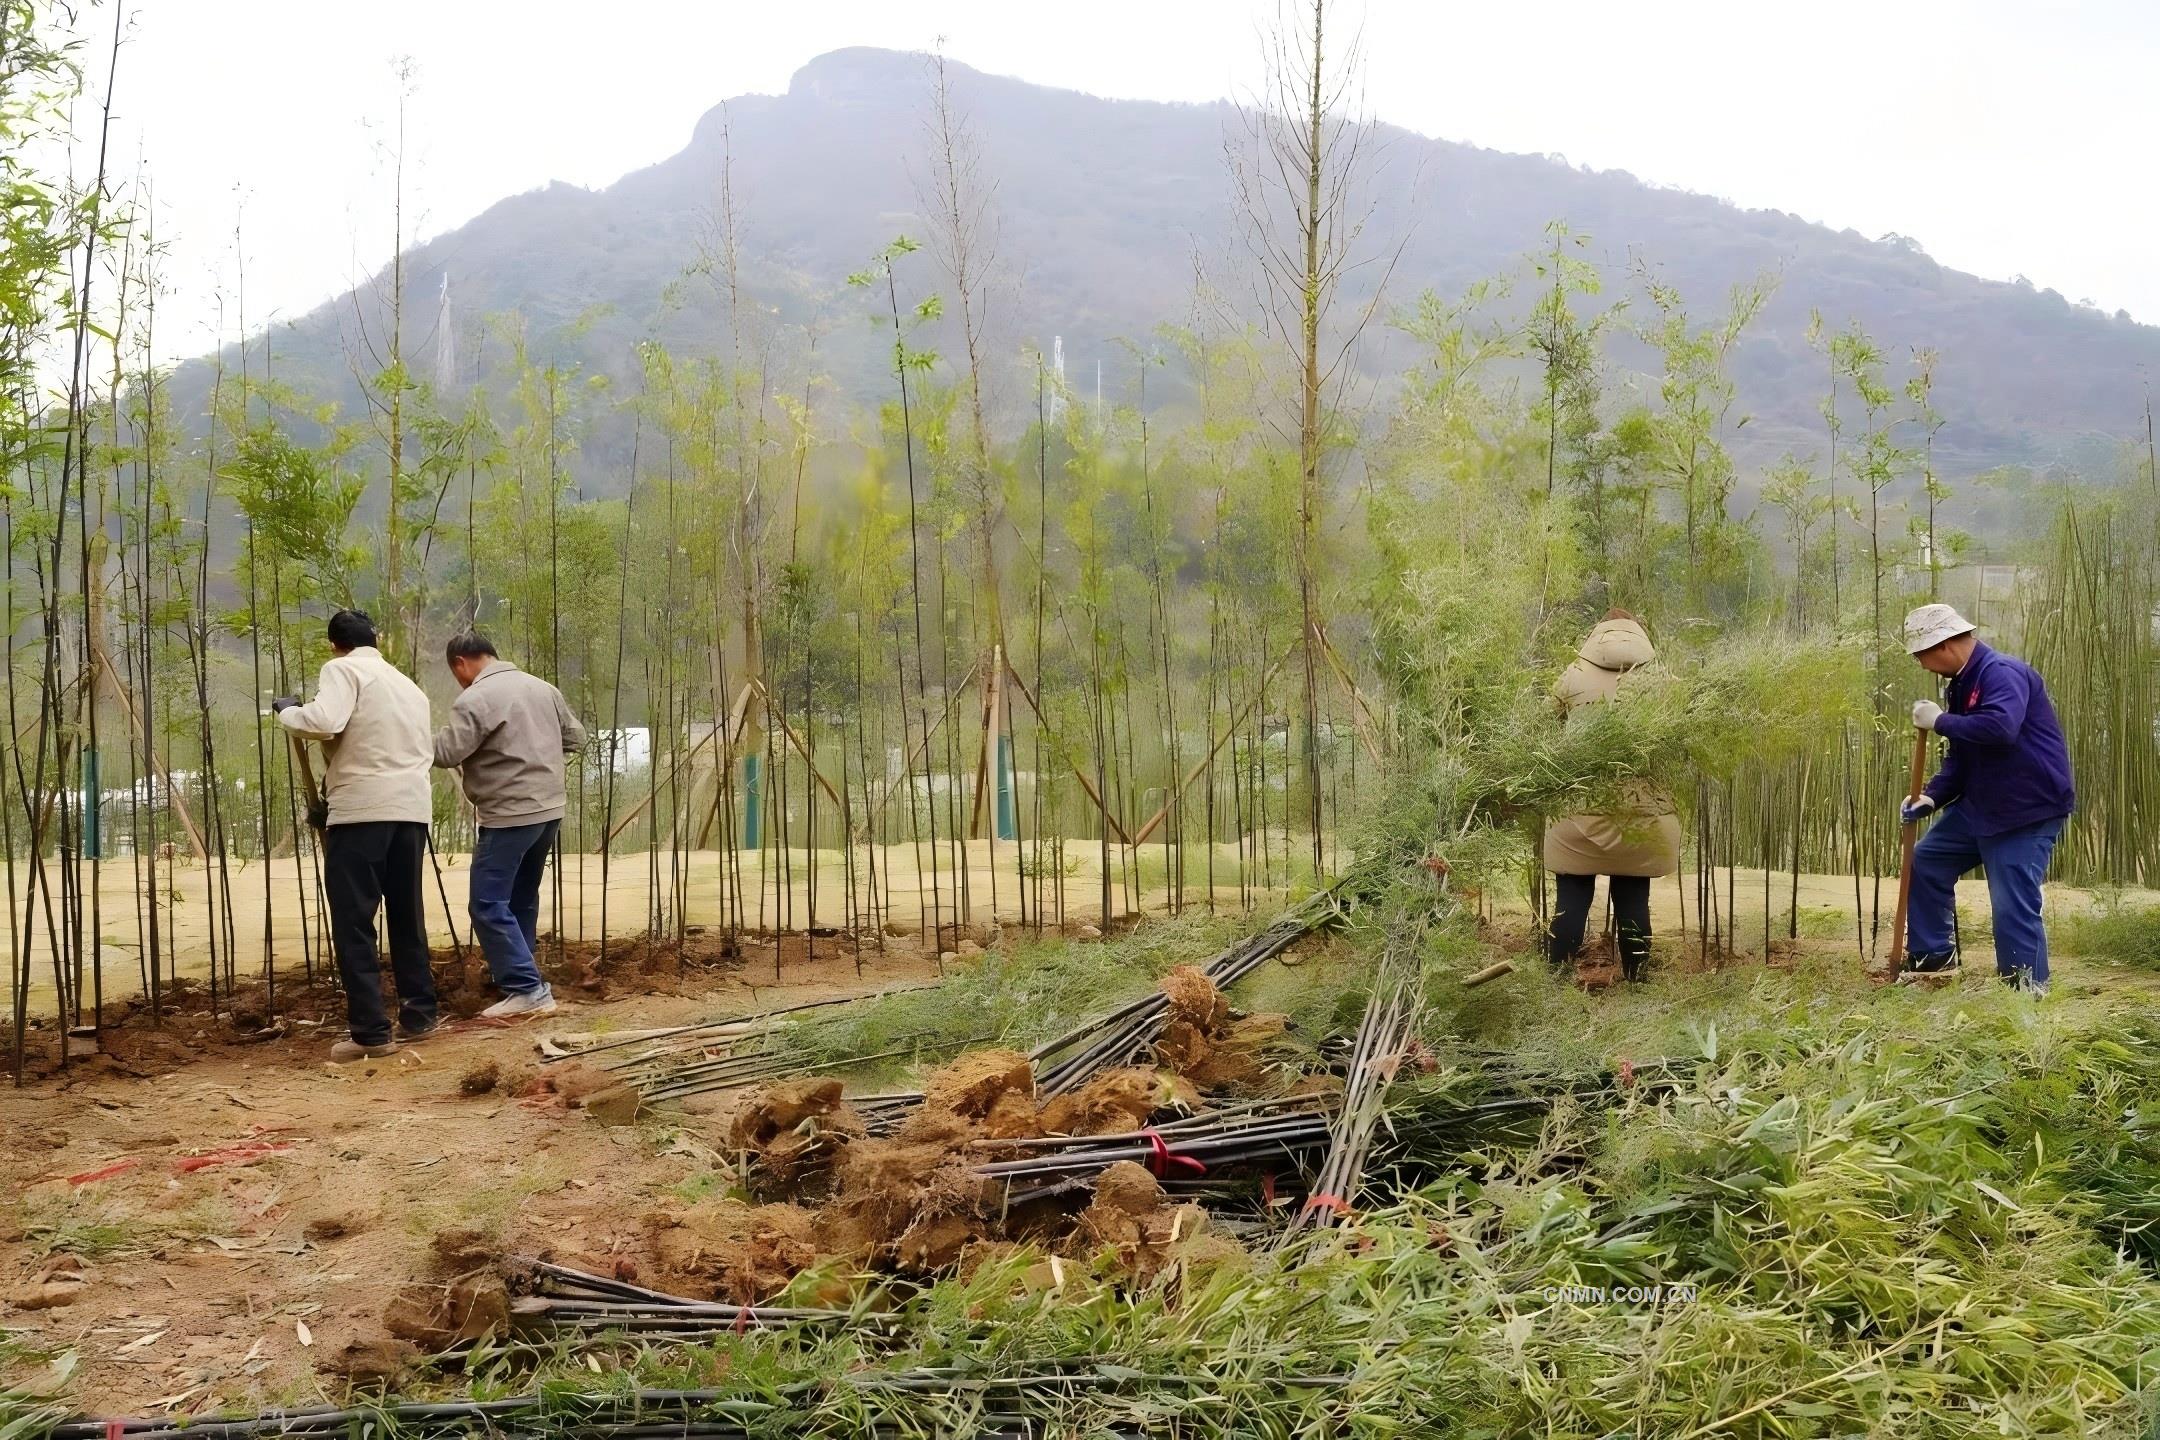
(2001, 796)
(507, 736)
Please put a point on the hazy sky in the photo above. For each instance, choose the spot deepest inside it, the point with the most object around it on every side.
(2007, 137)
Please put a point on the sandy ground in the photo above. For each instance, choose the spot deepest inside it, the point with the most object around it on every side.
(204, 1285)
(775, 900)
(777, 894)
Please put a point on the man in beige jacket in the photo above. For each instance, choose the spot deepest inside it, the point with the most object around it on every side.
(507, 737)
(373, 724)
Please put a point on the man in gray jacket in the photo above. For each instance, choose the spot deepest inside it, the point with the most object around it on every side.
(373, 724)
(507, 736)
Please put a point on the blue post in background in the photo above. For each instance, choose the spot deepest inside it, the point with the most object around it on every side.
(1006, 828)
(753, 814)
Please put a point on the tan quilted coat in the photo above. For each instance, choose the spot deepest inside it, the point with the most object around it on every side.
(1644, 838)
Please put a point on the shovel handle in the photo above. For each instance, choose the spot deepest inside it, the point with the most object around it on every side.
(1912, 831)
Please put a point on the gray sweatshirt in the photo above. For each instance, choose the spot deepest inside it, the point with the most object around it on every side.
(507, 736)
(373, 724)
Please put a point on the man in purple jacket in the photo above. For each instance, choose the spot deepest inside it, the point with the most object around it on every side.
(2002, 795)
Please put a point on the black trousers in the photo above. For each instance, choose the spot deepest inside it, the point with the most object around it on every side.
(1631, 917)
(377, 863)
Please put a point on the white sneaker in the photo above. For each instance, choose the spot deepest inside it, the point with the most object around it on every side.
(532, 1002)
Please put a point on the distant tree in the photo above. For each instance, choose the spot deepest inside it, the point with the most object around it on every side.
(1298, 178)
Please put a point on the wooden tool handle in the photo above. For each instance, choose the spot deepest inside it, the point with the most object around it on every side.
(1912, 832)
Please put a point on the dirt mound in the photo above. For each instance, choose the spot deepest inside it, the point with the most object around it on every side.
(1131, 1218)
(1194, 1000)
(1112, 1103)
(780, 1108)
(436, 1315)
(728, 1250)
(325, 1228)
(373, 1363)
(973, 1085)
(793, 1131)
(481, 1077)
(1206, 1042)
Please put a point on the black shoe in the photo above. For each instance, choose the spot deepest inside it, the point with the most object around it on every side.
(434, 1027)
(1932, 964)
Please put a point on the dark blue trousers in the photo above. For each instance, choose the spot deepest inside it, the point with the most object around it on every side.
(368, 866)
(503, 898)
(2016, 861)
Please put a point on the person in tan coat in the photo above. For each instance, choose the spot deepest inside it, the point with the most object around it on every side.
(1632, 845)
(373, 723)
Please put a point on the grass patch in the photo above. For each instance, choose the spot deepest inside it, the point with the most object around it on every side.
(1018, 996)
(2112, 931)
(77, 1224)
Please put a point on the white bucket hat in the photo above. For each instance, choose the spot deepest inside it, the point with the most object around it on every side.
(1930, 625)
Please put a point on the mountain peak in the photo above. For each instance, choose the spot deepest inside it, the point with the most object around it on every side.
(859, 72)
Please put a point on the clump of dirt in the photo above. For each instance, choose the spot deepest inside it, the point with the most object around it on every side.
(581, 1087)
(616, 1105)
(1194, 1000)
(792, 1130)
(911, 1201)
(1597, 964)
(1131, 1217)
(973, 1085)
(325, 1228)
(469, 1300)
(61, 1281)
(1207, 1043)
(481, 1077)
(731, 1250)
(380, 1362)
(1112, 1103)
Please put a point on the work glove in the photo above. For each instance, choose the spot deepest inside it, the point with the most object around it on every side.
(283, 702)
(1925, 713)
(318, 815)
(1909, 811)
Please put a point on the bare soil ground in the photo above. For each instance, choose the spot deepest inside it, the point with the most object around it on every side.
(233, 1231)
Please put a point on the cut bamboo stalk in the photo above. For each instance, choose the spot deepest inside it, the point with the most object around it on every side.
(1912, 835)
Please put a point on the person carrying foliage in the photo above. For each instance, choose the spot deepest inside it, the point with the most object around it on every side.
(2000, 798)
(1638, 841)
(373, 723)
(507, 736)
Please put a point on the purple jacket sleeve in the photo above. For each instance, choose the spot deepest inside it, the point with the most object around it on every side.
(1999, 716)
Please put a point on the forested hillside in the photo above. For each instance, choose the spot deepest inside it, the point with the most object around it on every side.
(1105, 211)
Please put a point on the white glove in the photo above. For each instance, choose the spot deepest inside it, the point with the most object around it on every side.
(1925, 713)
(1909, 811)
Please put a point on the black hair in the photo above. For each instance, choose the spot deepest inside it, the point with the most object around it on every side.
(467, 645)
(351, 629)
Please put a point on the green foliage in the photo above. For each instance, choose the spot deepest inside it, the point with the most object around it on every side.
(1016, 997)
(2114, 931)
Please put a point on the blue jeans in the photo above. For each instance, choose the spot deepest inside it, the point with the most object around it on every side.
(503, 898)
(2016, 862)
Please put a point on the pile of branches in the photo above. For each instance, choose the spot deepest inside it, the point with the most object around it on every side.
(750, 1050)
